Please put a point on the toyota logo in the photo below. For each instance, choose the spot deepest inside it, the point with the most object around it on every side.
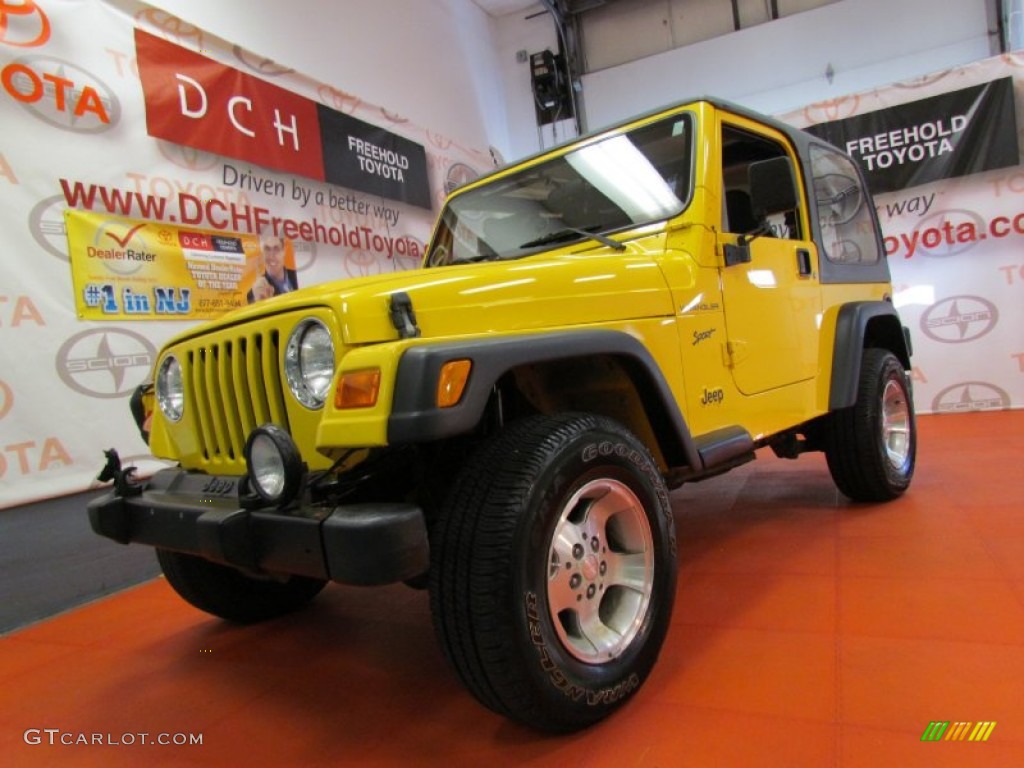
(23, 24)
(62, 94)
(105, 363)
(6, 399)
(458, 174)
(959, 319)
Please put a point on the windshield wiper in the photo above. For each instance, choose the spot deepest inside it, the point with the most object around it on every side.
(565, 232)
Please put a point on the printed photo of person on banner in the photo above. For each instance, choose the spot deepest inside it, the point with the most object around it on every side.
(276, 271)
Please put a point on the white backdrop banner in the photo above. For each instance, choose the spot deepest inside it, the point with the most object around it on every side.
(955, 247)
(75, 136)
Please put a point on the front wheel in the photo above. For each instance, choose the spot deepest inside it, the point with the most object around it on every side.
(230, 594)
(871, 446)
(553, 573)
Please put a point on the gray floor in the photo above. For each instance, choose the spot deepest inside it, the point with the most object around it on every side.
(50, 561)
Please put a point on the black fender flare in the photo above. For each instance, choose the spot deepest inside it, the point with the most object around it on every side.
(861, 324)
(415, 417)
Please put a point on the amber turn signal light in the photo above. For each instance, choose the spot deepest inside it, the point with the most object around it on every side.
(452, 382)
(357, 389)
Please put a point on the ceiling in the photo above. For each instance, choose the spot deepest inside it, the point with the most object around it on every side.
(498, 8)
(504, 7)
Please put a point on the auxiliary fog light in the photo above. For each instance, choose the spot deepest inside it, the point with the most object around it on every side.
(275, 465)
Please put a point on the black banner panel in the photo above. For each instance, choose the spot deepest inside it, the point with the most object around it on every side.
(371, 159)
(953, 134)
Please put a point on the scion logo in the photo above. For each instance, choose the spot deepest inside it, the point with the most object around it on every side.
(6, 399)
(305, 254)
(959, 319)
(408, 260)
(949, 232)
(46, 223)
(971, 396)
(23, 24)
(458, 174)
(105, 363)
(61, 94)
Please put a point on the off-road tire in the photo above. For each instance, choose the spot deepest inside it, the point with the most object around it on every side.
(231, 594)
(871, 446)
(529, 560)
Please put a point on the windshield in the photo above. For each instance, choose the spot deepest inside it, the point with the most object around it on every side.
(620, 182)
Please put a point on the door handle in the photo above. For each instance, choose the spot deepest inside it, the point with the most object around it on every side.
(803, 262)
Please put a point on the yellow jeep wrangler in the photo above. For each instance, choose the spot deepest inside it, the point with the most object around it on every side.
(639, 308)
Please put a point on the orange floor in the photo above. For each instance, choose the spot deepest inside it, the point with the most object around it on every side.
(807, 632)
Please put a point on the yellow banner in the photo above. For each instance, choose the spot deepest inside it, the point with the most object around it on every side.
(124, 269)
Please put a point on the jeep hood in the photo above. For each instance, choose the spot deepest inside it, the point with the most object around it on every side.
(529, 294)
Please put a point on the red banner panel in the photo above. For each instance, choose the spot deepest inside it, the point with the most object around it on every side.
(198, 102)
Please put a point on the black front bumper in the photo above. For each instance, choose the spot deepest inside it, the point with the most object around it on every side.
(201, 515)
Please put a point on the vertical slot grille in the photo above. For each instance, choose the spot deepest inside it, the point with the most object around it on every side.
(237, 386)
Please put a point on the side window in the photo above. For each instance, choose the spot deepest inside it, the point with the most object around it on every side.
(740, 150)
(847, 229)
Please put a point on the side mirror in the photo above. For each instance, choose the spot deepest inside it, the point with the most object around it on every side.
(772, 188)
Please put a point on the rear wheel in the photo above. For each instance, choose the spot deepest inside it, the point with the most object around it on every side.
(871, 446)
(230, 594)
(553, 573)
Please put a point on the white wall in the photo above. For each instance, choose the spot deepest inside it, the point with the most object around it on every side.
(531, 30)
(430, 61)
(781, 65)
(772, 67)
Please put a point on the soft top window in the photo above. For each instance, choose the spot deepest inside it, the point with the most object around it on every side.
(847, 228)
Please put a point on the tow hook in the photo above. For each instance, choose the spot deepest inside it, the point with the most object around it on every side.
(123, 483)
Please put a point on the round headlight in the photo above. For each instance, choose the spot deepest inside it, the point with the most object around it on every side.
(275, 466)
(309, 362)
(170, 389)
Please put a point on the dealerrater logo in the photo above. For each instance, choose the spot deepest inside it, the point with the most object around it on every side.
(959, 319)
(61, 94)
(121, 247)
(105, 363)
(23, 24)
(971, 396)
